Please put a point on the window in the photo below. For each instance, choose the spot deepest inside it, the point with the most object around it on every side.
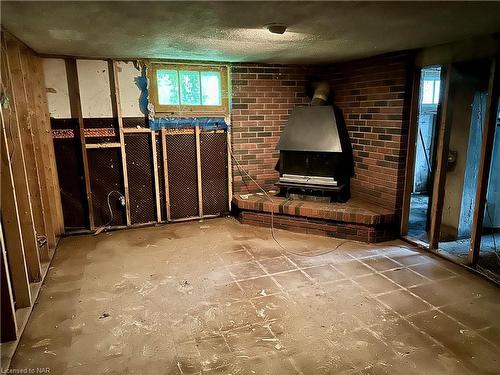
(430, 86)
(189, 88)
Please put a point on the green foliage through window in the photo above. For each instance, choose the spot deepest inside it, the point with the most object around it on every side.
(189, 87)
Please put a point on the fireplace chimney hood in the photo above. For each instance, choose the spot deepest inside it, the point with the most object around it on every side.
(311, 129)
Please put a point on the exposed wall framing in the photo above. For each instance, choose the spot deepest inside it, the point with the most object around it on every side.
(31, 209)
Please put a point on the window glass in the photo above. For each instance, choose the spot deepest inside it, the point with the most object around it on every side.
(428, 92)
(190, 87)
(436, 91)
(168, 87)
(210, 88)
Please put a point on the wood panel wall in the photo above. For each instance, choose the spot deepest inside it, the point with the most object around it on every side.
(30, 204)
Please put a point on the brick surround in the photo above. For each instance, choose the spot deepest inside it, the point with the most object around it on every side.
(373, 95)
(262, 98)
(355, 220)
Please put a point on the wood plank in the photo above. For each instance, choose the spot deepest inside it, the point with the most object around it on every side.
(49, 142)
(16, 151)
(103, 145)
(229, 170)
(165, 171)
(136, 130)
(24, 115)
(155, 176)
(445, 112)
(115, 96)
(8, 331)
(12, 229)
(489, 127)
(35, 95)
(198, 170)
(411, 149)
(75, 103)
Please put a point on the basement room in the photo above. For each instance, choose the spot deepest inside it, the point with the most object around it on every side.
(254, 187)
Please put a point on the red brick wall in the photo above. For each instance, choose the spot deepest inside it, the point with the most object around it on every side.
(374, 96)
(262, 98)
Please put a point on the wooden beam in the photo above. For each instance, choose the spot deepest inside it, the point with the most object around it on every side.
(229, 170)
(16, 152)
(11, 225)
(8, 330)
(155, 176)
(165, 171)
(115, 90)
(103, 145)
(24, 117)
(198, 170)
(136, 130)
(489, 127)
(35, 96)
(411, 148)
(49, 144)
(445, 117)
(75, 103)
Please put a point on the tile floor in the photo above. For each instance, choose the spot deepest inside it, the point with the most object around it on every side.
(219, 297)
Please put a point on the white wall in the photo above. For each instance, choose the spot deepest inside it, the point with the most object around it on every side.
(56, 83)
(129, 91)
(95, 92)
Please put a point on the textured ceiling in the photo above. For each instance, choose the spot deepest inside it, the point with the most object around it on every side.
(233, 31)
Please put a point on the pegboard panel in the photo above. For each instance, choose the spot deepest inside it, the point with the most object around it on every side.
(182, 174)
(105, 172)
(72, 188)
(214, 180)
(161, 176)
(140, 177)
(135, 122)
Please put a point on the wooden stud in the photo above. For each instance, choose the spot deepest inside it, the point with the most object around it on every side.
(15, 148)
(23, 114)
(136, 130)
(229, 170)
(165, 171)
(411, 149)
(445, 112)
(115, 89)
(102, 145)
(11, 224)
(49, 144)
(485, 161)
(8, 330)
(41, 139)
(75, 103)
(155, 176)
(198, 170)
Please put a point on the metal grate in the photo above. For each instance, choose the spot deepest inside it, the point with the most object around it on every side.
(140, 178)
(161, 177)
(105, 172)
(213, 154)
(71, 182)
(182, 175)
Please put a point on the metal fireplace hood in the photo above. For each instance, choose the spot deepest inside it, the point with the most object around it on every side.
(312, 129)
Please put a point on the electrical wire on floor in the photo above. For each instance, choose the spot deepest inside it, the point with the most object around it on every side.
(106, 226)
(273, 234)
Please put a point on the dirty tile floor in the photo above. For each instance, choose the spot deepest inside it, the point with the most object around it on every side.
(218, 297)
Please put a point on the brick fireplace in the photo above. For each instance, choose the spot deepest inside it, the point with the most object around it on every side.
(373, 96)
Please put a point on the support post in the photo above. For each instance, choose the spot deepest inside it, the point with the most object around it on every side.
(485, 161)
(155, 176)
(198, 170)
(165, 170)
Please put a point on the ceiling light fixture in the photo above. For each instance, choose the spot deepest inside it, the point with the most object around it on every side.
(276, 28)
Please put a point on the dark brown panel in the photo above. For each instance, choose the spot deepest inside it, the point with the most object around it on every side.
(105, 176)
(64, 123)
(140, 178)
(71, 182)
(213, 153)
(182, 175)
(134, 122)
